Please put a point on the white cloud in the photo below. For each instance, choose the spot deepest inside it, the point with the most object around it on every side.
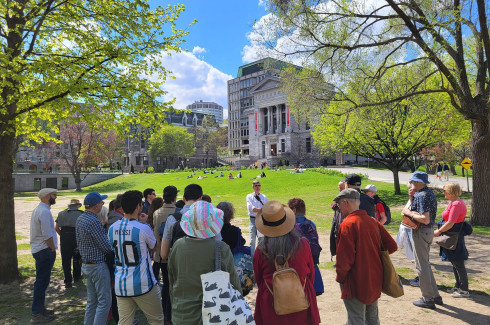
(261, 3)
(194, 80)
(198, 50)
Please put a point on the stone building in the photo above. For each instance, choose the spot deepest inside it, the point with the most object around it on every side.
(136, 150)
(261, 127)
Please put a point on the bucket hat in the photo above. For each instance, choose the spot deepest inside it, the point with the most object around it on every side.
(276, 220)
(203, 220)
(420, 177)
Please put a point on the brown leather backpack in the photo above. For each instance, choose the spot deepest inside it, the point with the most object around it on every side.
(289, 295)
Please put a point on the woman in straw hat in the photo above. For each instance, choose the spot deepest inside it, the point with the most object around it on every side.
(194, 255)
(280, 238)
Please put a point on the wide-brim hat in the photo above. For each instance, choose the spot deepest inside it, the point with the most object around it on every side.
(276, 220)
(203, 220)
(420, 177)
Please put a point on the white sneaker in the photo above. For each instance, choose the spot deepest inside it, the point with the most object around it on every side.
(452, 290)
(461, 294)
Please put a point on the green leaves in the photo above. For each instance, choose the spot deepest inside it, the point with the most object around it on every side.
(171, 142)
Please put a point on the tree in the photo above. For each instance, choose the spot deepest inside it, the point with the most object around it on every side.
(171, 142)
(450, 39)
(102, 53)
(389, 134)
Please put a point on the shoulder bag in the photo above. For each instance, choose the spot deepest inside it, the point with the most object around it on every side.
(449, 239)
(392, 285)
(221, 303)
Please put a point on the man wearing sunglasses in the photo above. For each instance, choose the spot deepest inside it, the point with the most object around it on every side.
(255, 201)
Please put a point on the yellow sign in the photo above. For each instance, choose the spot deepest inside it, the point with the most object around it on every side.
(466, 163)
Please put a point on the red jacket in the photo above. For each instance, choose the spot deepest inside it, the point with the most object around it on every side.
(358, 264)
(264, 309)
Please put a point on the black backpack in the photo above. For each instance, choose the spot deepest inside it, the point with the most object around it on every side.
(387, 209)
(177, 231)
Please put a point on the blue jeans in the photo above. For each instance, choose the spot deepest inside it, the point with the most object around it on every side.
(253, 235)
(44, 264)
(99, 297)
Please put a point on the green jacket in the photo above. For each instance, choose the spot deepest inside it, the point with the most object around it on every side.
(188, 259)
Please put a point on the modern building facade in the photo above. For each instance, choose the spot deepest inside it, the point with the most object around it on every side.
(261, 127)
(210, 108)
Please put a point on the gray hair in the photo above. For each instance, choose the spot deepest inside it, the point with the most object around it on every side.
(286, 245)
(228, 211)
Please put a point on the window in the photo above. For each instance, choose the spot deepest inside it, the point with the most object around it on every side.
(145, 160)
(283, 145)
(138, 160)
(308, 145)
(142, 142)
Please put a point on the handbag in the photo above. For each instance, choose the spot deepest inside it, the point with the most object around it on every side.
(392, 286)
(410, 223)
(449, 239)
(221, 303)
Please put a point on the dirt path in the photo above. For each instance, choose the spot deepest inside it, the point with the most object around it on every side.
(475, 310)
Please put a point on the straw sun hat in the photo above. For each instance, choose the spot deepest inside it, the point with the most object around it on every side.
(276, 220)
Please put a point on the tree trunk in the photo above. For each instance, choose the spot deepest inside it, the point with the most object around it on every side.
(396, 180)
(78, 180)
(9, 271)
(480, 206)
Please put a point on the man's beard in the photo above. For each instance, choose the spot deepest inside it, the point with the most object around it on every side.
(52, 201)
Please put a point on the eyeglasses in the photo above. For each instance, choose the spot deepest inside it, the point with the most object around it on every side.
(153, 193)
(257, 185)
(102, 202)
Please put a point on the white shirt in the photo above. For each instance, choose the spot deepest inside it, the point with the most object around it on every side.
(42, 228)
(252, 203)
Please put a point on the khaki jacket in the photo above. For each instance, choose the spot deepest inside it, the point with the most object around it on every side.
(160, 216)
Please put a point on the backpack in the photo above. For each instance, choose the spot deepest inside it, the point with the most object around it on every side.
(288, 293)
(387, 209)
(177, 231)
(308, 231)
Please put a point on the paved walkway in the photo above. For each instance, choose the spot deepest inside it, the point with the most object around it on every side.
(387, 176)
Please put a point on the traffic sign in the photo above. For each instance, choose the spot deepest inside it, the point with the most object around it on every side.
(466, 163)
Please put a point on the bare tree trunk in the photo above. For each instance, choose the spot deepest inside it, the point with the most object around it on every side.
(480, 206)
(8, 246)
(396, 180)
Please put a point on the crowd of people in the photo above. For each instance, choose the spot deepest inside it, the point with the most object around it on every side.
(149, 252)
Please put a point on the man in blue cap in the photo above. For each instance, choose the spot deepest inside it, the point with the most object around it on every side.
(94, 248)
(423, 209)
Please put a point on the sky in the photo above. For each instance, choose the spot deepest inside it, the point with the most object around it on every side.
(217, 45)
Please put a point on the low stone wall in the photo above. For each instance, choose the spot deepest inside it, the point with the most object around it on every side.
(32, 182)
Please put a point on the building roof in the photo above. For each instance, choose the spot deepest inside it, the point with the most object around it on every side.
(263, 64)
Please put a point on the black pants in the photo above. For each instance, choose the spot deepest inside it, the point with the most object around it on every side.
(69, 251)
(460, 274)
(166, 305)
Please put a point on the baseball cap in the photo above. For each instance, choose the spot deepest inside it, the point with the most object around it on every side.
(353, 179)
(370, 187)
(93, 198)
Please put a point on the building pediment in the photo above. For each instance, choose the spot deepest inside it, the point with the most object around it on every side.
(267, 83)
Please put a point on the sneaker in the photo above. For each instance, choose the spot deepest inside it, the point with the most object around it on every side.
(42, 318)
(48, 312)
(461, 294)
(438, 300)
(452, 290)
(424, 304)
(414, 282)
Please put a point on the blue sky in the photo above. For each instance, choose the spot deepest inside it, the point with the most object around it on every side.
(218, 44)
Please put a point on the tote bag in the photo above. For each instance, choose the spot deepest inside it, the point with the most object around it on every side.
(221, 303)
(392, 285)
